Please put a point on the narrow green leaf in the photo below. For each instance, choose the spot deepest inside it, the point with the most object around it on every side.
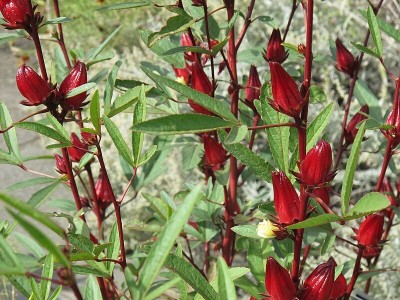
(7, 270)
(41, 238)
(226, 287)
(29, 244)
(44, 130)
(364, 49)
(211, 104)
(351, 167)
(182, 123)
(139, 116)
(182, 49)
(368, 204)
(10, 136)
(7, 158)
(247, 231)
(85, 160)
(42, 195)
(109, 88)
(81, 89)
(28, 210)
(95, 111)
(127, 5)
(91, 270)
(30, 182)
(259, 166)
(157, 292)
(389, 29)
(100, 48)
(92, 289)
(166, 241)
(130, 281)
(237, 134)
(56, 293)
(118, 140)
(59, 20)
(9, 256)
(35, 289)
(113, 249)
(375, 31)
(147, 155)
(47, 272)
(316, 221)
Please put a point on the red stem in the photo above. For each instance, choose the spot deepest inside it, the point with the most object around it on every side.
(294, 7)
(39, 52)
(356, 272)
(247, 22)
(60, 37)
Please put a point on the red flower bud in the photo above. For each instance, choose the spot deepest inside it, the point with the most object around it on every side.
(76, 77)
(88, 138)
(253, 85)
(370, 231)
(103, 193)
(316, 166)
(278, 283)
(351, 129)
(286, 200)
(339, 288)
(318, 285)
(214, 154)
(275, 52)
(393, 134)
(16, 13)
(287, 98)
(323, 194)
(201, 83)
(206, 57)
(186, 41)
(77, 151)
(33, 87)
(345, 61)
(60, 164)
(387, 189)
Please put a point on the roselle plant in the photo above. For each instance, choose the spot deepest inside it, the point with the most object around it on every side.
(205, 241)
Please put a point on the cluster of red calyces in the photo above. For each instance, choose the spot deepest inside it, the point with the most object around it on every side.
(319, 285)
(38, 91)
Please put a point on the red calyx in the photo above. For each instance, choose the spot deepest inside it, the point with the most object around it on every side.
(76, 77)
(33, 87)
(393, 134)
(318, 285)
(201, 83)
(351, 129)
(253, 85)
(16, 12)
(286, 200)
(103, 193)
(278, 283)
(370, 231)
(60, 164)
(345, 61)
(287, 98)
(323, 194)
(77, 151)
(214, 154)
(275, 52)
(186, 41)
(315, 169)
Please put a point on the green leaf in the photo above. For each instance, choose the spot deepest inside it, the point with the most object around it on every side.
(118, 140)
(59, 20)
(211, 104)
(41, 238)
(56, 293)
(28, 210)
(166, 241)
(10, 36)
(42, 195)
(126, 5)
(278, 137)
(95, 112)
(364, 49)
(130, 281)
(317, 94)
(44, 130)
(9, 256)
(10, 136)
(247, 231)
(35, 289)
(315, 221)
(29, 244)
(57, 126)
(30, 182)
(92, 289)
(366, 96)
(351, 167)
(226, 287)
(157, 292)
(91, 270)
(182, 123)
(81, 89)
(47, 272)
(375, 32)
(92, 55)
(259, 166)
(147, 155)
(139, 116)
(236, 135)
(109, 88)
(368, 204)
(113, 249)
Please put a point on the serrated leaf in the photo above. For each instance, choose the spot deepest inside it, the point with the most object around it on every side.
(315, 221)
(236, 134)
(44, 130)
(113, 249)
(118, 140)
(375, 31)
(42, 195)
(259, 166)
(30, 182)
(368, 204)
(139, 116)
(351, 167)
(29, 244)
(144, 158)
(226, 287)
(85, 159)
(47, 272)
(127, 5)
(182, 123)
(9, 255)
(57, 126)
(247, 231)
(109, 88)
(95, 112)
(211, 104)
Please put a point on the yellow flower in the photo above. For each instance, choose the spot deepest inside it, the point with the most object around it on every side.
(266, 228)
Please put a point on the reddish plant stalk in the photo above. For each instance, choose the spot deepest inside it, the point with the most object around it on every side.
(247, 22)
(60, 37)
(209, 46)
(39, 52)
(95, 201)
(356, 272)
(294, 7)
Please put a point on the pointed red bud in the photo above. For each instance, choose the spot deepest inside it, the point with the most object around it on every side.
(318, 285)
(103, 193)
(88, 138)
(33, 87)
(345, 61)
(315, 169)
(201, 83)
(278, 283)
(287, 98)
(60, 164)
(77, 151)
(323, 194)
(76, 77)
(253, 85)
(286, 200)
(186, 41)
(393, 134)
(15, 12)
(214, 154)
(371, 230)
(351, 129)
(275, 51)
(339, 288)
